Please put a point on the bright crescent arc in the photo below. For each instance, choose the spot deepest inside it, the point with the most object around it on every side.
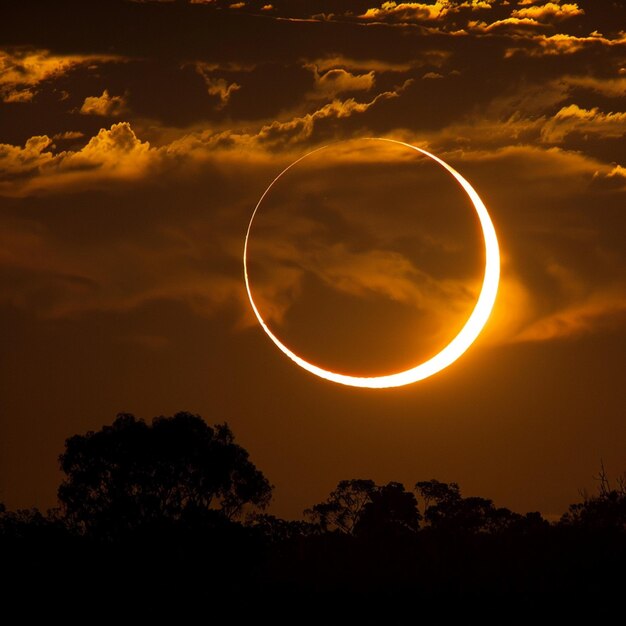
(457, 346)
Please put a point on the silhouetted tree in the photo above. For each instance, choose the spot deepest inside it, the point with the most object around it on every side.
(436, 492)
(277, 530)
(343, 507)
(32, 545)
(391, 510)
(446, 509)
(131, 474)
(605, 510)
(360, 506)
(22, 523)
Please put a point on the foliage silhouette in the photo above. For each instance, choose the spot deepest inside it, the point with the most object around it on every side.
(174, 511)
(606, 510)
(177, 469)
(446, 510)
(391, 511)
(276, 530)
(343, 508)
(360, 507)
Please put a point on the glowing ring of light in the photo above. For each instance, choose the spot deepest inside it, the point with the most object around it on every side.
(457, 346)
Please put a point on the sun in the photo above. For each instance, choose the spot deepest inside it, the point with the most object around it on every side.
(461, 342)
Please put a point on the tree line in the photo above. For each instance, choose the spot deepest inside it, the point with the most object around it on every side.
(177, 505)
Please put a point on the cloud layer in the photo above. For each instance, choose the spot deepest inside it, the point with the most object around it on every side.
(498, 88)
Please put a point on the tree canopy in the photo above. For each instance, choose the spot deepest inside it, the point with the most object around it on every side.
(445, 509)
(360, 507)
(342, 509)
(177, 509)
(132, 473)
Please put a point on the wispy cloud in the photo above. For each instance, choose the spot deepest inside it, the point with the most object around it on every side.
(215, 85)
(574, 119)
(331, 82)
(23, 70)
(105, 105)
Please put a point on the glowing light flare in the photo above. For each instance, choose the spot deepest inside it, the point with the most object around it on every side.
(463, 340)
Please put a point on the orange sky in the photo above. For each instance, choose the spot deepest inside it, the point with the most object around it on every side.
(135, 141)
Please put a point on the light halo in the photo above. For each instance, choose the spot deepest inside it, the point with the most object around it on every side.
(461, 342)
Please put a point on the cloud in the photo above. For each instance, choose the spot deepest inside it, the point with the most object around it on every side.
(615, 179)
(561, 269)
(291, 255)
(538, 163)
(301, 128)
(23, 70)
(23, 94)
(581, 317)
(421, 58)
(530, 105)
(166, 266)
(386, 273)
(68, 135)
(610, 87)
(104, 105)
(509, 24)
(279, 135)
(529, 100)
(330, 83)
(112, 149)
(617, 171)
(408, 11)
(115, 153)
(222, 89)
(500, 137)
(422, 11)
(574, 119)
(558, 278)
(482, 134)
(579, 308)
(18, 161)
(542, 45)
(549, 11)
(216, 86)
(478, 4)
(119, 273)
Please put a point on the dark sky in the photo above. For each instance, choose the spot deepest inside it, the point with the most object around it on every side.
(136, 139)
